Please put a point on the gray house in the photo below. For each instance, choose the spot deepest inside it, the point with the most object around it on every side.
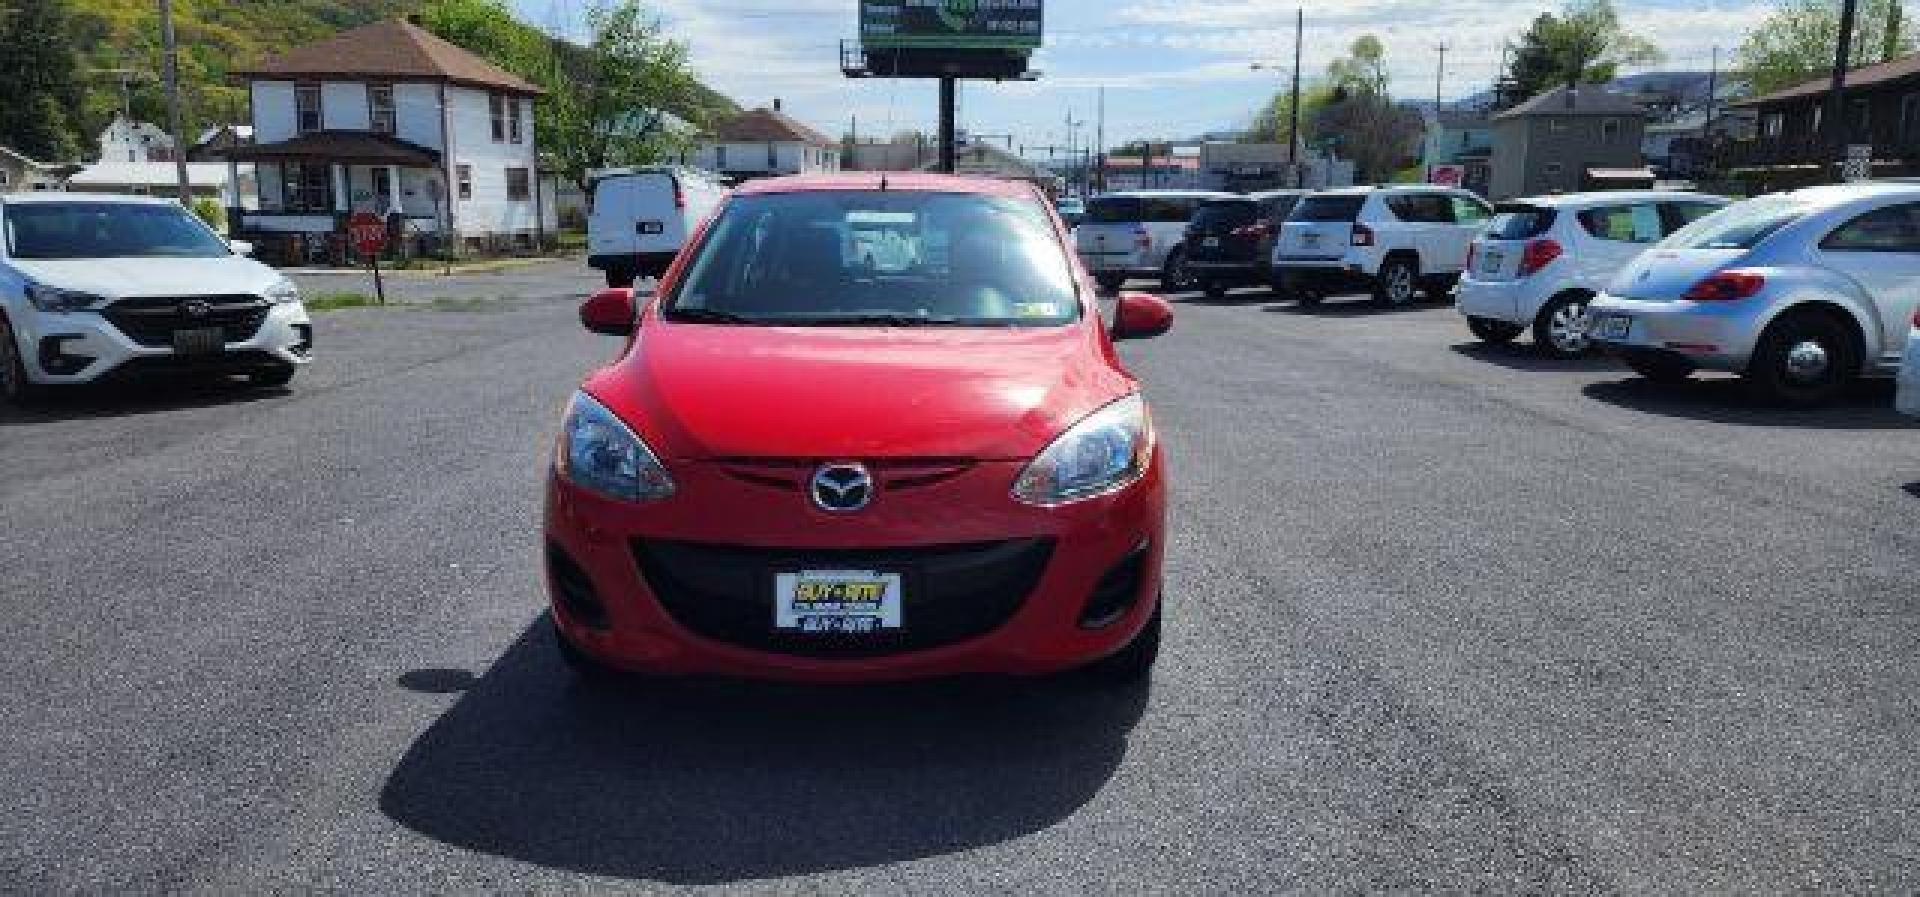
(1567, 140)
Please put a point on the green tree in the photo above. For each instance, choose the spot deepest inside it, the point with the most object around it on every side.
(1796, 43)
(40, 84)
(1583, 43)
(1358, 119)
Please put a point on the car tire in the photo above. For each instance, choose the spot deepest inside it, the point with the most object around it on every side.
(1214, 289)
(1398, 283)
(1660, 368)
(1560, 330)
(585, 669)
(1488, 330)
(1134, 662)
(1440, 288)
(1175, 277)
(272, 377)
(16, 387)
(1803, 359)
(1111, 283)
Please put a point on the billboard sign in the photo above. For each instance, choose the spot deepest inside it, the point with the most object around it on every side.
(951, 24)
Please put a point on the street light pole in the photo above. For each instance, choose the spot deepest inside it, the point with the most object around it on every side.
(173, 102)
(1293, 127)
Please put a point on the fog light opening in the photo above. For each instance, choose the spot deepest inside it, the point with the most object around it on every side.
(1117, 591)
(55, 359)
(573, 590)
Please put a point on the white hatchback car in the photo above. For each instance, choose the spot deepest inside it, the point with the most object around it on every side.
(1543, 258)
(1907, 397)
(93, 285)
(1392, 241)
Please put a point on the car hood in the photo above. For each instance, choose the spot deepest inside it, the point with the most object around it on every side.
(124, 278)
(705, 392)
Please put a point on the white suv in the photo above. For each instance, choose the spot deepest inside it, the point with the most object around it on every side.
(1139, 233)
(98, 285)
(1391, 241)
(1543, 258)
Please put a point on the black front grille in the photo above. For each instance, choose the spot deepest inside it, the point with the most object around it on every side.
(152, 321)
(950, 593)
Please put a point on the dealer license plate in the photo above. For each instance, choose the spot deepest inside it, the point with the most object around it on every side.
(199, 341)
(652, 227)
(1211, 242)
(1611, 326)
(1310, 241)
(847, 601)
(1492, 262)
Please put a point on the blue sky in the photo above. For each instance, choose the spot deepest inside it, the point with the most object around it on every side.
(1172, 68)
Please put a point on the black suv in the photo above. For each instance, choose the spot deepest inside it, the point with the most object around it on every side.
(1230, 241)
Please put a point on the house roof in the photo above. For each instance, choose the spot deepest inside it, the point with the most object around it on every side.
(769, 126)
(345, 147)
(1880, 72)
(1587, 99)
(394, 49)
(24, 160)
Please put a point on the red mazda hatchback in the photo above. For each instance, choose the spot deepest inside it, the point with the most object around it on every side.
(869, 428)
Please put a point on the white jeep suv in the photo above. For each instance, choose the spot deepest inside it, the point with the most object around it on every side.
(1390, 241)
(99, 285)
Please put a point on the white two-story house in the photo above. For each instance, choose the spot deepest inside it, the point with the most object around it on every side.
(387, 118)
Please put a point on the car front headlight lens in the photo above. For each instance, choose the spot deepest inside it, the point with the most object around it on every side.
(599, 453)
(46, 298)
(282, 291)
(1103, 453)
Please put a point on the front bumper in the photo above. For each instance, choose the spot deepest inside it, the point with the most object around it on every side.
(83, 347)
(1709, 335)
(722, 509)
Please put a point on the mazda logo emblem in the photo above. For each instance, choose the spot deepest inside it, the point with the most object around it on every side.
(196, 308)
(841, 487)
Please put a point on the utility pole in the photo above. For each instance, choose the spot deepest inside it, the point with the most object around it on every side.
(1713, 93)
(1836, 102)
(947, 159)
(173, 101)
(1293, 127)
(1100, 140)
(1439, 76)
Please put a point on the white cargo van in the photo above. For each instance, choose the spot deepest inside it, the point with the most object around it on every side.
(642, 216)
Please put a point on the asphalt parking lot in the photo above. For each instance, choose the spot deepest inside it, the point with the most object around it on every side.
(1441, 617)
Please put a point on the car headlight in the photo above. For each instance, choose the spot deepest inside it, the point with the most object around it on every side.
(1104, 452)
(599, 453)
(282, 291)
(48, 298)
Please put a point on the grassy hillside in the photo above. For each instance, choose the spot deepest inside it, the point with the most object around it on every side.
(214, 36)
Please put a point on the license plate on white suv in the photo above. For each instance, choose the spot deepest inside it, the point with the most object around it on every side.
(1614, 327)
(836, 601)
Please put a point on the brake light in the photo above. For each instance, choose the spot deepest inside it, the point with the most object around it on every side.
(1725, 286)
(679, 195)
(1538, 254)
(1362, 235)
(1473, 249)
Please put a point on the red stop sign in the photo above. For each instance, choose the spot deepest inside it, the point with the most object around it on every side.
(367, 232)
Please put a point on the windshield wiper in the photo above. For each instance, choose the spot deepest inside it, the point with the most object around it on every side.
(709, 316)
(874, 320)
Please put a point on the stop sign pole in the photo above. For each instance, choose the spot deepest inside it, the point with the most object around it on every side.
(369, 235)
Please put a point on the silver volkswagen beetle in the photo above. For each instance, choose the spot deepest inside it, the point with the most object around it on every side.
(1798, 292)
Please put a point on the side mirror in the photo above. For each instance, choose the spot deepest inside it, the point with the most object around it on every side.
(609, 311)
(1140, 316)
(240, 247)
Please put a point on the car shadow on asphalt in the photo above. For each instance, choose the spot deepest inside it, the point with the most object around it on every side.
(709, 782)
(1868, 405)
(1525, 357)
(152, 396)
(1912, 488)
(1349, 307)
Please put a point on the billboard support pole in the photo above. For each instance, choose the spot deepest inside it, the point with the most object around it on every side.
(946, 124)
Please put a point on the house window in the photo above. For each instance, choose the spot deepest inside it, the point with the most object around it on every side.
(306, 106)
(380, 107)
(307, 187)
(513, 119)
(463, 176)
(1857, 120)
(1909, 117)
(773, 158)
(517, 190)
(497, 109)
(1557, 126)
(1610, 130)
(720, 157)
(1818, 113)
(6, 177)
(1773, 124)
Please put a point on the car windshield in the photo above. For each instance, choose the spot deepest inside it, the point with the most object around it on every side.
(94, 230)
(873, 258)
(1739, 226)
(1344, 207)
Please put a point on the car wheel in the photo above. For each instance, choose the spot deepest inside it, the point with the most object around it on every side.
(1398, 283)
(1802, 359)
(1309, 296)
(272, 377)
(1111, 283)
(15, 386)
(1491, 331)
(1214, 289)
(1133, 662)
(1660, 368)
(1440, 289)
(586, 669)
(1176, 277)
(1560, 330)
